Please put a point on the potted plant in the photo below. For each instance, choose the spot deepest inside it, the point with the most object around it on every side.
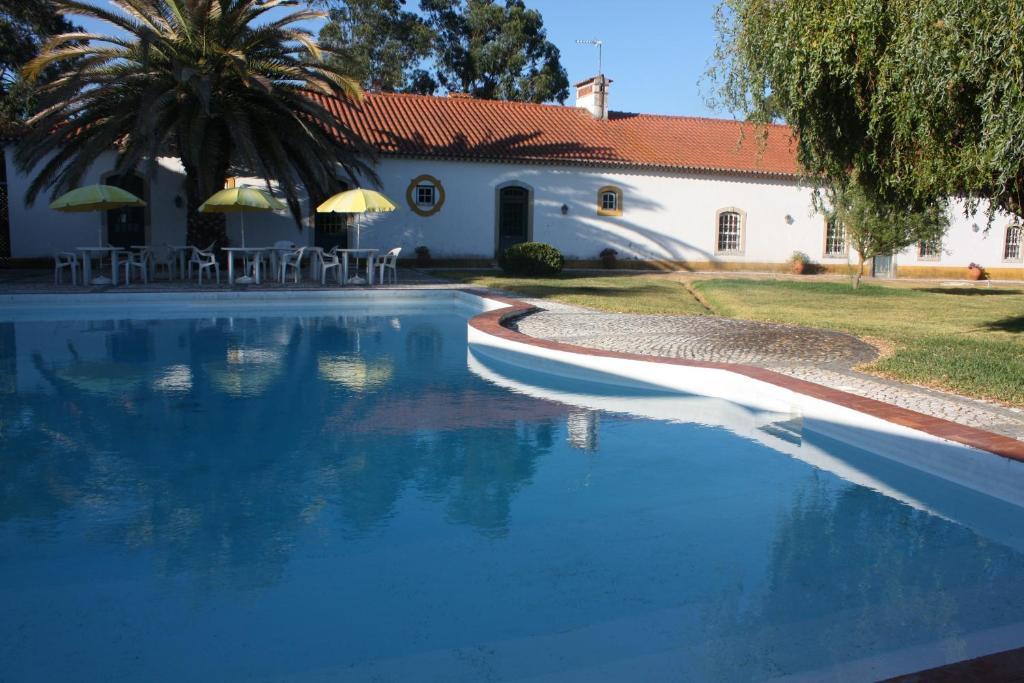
(423, 259)
(799, 262)
(975, 272)
(608, 257)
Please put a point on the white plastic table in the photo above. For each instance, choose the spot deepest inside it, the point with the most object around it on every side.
(368, 254)
(88, 253)
(244, 252)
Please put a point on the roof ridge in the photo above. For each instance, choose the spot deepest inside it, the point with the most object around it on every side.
(446, 98)
(692, 117)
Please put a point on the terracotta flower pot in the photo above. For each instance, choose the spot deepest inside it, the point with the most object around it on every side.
(974, 273)
(798, 267)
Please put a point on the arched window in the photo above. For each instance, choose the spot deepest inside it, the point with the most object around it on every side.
(1011, 244)
(609, 201)
(729, 238)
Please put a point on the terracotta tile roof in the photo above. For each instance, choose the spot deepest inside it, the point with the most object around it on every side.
(486, 130)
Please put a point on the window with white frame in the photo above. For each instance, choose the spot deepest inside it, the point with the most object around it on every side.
(426, 195)
(730, 237)
(609, 201)
(929, 250)
(1011, 245)
(835, 239)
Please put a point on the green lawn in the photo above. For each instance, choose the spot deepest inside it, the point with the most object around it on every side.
(970, 341)
(612, 293)
(967, 340)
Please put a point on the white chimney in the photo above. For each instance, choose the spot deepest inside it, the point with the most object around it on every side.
(592, 95)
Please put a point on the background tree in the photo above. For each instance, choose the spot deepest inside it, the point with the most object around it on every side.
(380, 44)
(24, 26)
(876, 228)
(922, 99)
(495, 51)
(200, 80)
(488, 49)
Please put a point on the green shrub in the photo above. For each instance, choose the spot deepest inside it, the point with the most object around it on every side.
(531, 258)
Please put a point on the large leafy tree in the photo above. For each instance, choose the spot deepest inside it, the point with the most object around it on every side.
(213, 82)
(24, 25)
(495, 50)
(380, 44)
(921, 99)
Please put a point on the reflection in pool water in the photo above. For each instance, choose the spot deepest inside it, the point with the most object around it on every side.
(342, 497)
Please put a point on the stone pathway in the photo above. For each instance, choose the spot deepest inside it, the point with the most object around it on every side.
(817, 356)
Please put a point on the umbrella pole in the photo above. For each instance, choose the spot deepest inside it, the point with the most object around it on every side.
(241, 219)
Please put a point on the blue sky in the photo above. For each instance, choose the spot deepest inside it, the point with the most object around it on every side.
(655, 51)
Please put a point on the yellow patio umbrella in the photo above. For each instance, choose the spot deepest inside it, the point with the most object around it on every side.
(239, 200)
(357, 201)
(95, 198)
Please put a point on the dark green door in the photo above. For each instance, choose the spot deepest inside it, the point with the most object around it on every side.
(330, 229)
(127, 227)
(513, 217)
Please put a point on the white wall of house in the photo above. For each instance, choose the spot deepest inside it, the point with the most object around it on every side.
(972, 238)
(665, 216)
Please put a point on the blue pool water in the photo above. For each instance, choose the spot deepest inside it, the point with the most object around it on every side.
(263, 496)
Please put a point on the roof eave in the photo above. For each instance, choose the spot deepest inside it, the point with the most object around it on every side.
(590, 162)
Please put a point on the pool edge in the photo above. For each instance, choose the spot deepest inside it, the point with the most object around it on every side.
(495, 323)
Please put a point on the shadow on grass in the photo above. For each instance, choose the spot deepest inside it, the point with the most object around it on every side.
(1012, 324)
(548, 291)
(971, 291)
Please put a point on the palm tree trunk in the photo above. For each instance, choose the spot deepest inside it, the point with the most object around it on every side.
(203, 228)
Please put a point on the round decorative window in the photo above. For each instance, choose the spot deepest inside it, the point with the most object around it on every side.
(425, 195)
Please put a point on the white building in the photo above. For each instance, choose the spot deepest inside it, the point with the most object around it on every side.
(474, 176)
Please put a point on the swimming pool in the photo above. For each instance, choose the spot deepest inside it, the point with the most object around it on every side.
(344, 491)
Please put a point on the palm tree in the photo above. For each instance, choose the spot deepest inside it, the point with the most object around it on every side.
(200, 80)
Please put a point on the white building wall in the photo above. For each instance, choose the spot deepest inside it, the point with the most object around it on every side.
(972, 238)
(666, 216)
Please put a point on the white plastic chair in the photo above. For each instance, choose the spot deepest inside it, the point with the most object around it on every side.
(291, 260)
(166, 258)
(330, 259)
(65, 260)
(203, 259)
(138, 260)
(280, 247)
(388, 263)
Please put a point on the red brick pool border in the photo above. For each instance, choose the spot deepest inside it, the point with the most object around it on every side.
(495, 323)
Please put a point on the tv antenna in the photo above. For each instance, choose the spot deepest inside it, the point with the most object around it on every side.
(598, 43)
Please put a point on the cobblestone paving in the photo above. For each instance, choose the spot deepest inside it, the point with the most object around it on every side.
(817, 356)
